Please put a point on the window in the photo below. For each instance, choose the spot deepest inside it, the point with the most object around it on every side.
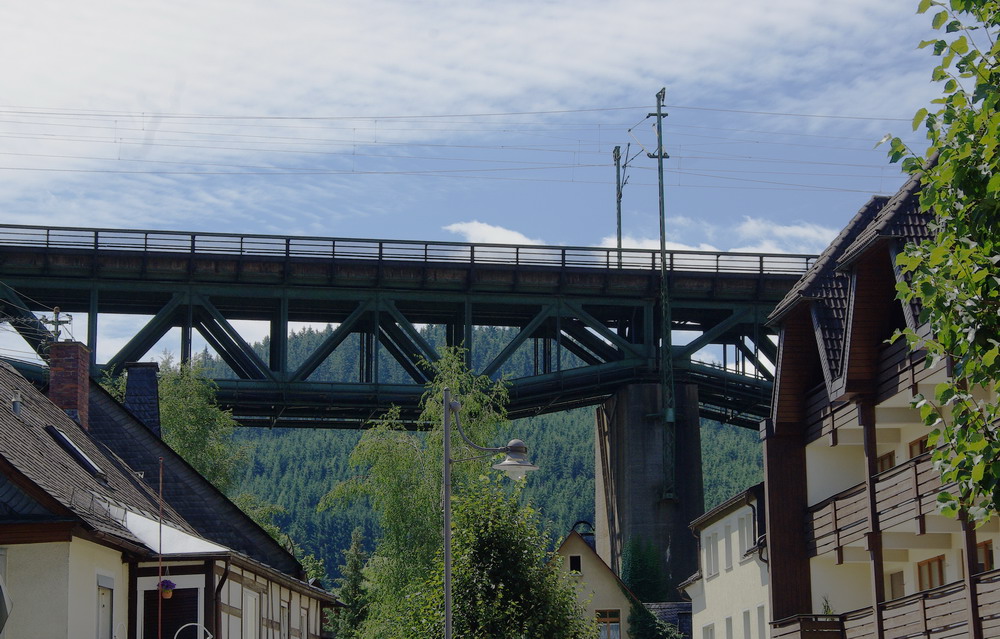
(747, 630)
(930, 573)
(711, 554)
(746, 536)
(896, 585)
(729, 628)
(610, 624)
(304, 624)
(574, 563)
(729, 548)
(761, 622)
(708, 632)
(887, 461)
(919, 447)
(984, 556)
(285, 620)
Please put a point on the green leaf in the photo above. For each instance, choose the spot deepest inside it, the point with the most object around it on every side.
(924, 6)
(960, 45)
(918, 118)
(994, 184)
(939, 19)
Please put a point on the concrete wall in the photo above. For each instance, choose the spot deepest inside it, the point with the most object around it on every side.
(632, 497)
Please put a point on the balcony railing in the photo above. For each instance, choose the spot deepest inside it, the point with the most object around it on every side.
(940, 612)
(808, 627)
(908, 491)
(282, 247)
(838, 521)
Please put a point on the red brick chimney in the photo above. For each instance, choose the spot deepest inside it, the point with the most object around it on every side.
(69, 379)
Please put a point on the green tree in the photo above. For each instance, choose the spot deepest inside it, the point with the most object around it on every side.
(506, 584)
(955, 276)
(352, 591)
(192, 423)
(400, 477)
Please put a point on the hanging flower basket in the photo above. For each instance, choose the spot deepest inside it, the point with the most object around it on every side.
(166, 588)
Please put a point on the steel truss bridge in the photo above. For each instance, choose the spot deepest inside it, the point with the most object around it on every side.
(587, 319)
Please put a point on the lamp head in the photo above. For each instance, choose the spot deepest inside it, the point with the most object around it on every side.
(516, 463)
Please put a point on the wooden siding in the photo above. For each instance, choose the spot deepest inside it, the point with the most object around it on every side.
(809, 627)
(860, 624)
(837, 521)
(938, 613)
(908, 491)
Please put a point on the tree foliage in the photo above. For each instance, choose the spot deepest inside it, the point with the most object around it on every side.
(352, 590)
(506, 584)
(506, 579)
(955, 277)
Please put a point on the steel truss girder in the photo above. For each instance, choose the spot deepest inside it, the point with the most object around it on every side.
(611, 339)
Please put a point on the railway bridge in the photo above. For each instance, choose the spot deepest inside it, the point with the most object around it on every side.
(591, 323)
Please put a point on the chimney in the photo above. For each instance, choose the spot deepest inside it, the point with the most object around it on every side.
(142, 393)
(69, 379)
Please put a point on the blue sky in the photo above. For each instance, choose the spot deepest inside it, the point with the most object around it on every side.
(464, 121)
(456, 120)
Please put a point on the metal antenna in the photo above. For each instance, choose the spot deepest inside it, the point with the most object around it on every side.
(57, 323)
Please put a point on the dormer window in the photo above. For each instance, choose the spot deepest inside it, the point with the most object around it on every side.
(74, 451)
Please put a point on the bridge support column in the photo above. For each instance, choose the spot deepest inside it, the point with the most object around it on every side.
(630, 473)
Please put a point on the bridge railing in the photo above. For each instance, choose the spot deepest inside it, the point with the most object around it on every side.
(63, 238)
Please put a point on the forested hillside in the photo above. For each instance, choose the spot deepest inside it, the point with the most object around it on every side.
(294, 468)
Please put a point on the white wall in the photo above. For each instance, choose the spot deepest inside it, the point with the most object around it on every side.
(89, 563)
(740, 588)
(38, 579)
(846, 587)
(832, 469)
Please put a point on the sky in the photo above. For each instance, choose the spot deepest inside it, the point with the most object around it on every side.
(458, 121)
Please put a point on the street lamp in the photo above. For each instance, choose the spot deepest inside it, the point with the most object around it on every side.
(515, 464)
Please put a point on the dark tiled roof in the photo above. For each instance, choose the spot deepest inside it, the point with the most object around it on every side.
(204, 507)
(901, 217)
(823, 273)
(677, 613)
(827, 283)
(36, 456)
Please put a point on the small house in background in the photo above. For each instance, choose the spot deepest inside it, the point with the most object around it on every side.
(82, 528)
(729, 593)
(607, 598)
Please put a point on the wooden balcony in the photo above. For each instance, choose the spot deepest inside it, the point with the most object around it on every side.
(908, 491)
(837, 521)
(808, 627)
(941, 612)
(859, 624)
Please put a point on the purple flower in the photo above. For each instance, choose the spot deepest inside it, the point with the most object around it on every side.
(166, 584)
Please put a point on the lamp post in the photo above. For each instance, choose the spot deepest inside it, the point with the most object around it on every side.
(515, 464)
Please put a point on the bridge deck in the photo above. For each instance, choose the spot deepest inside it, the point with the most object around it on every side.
(591, 312)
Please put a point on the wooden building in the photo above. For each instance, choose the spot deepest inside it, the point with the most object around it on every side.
(856, 548)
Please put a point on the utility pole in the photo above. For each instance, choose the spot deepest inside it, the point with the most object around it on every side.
(666, 360)
(617, 155)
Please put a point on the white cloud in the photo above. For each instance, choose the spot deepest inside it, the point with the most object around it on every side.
(482, 233)
(765, 236)
(629, 241)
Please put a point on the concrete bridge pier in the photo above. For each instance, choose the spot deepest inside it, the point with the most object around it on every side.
(633, 478)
